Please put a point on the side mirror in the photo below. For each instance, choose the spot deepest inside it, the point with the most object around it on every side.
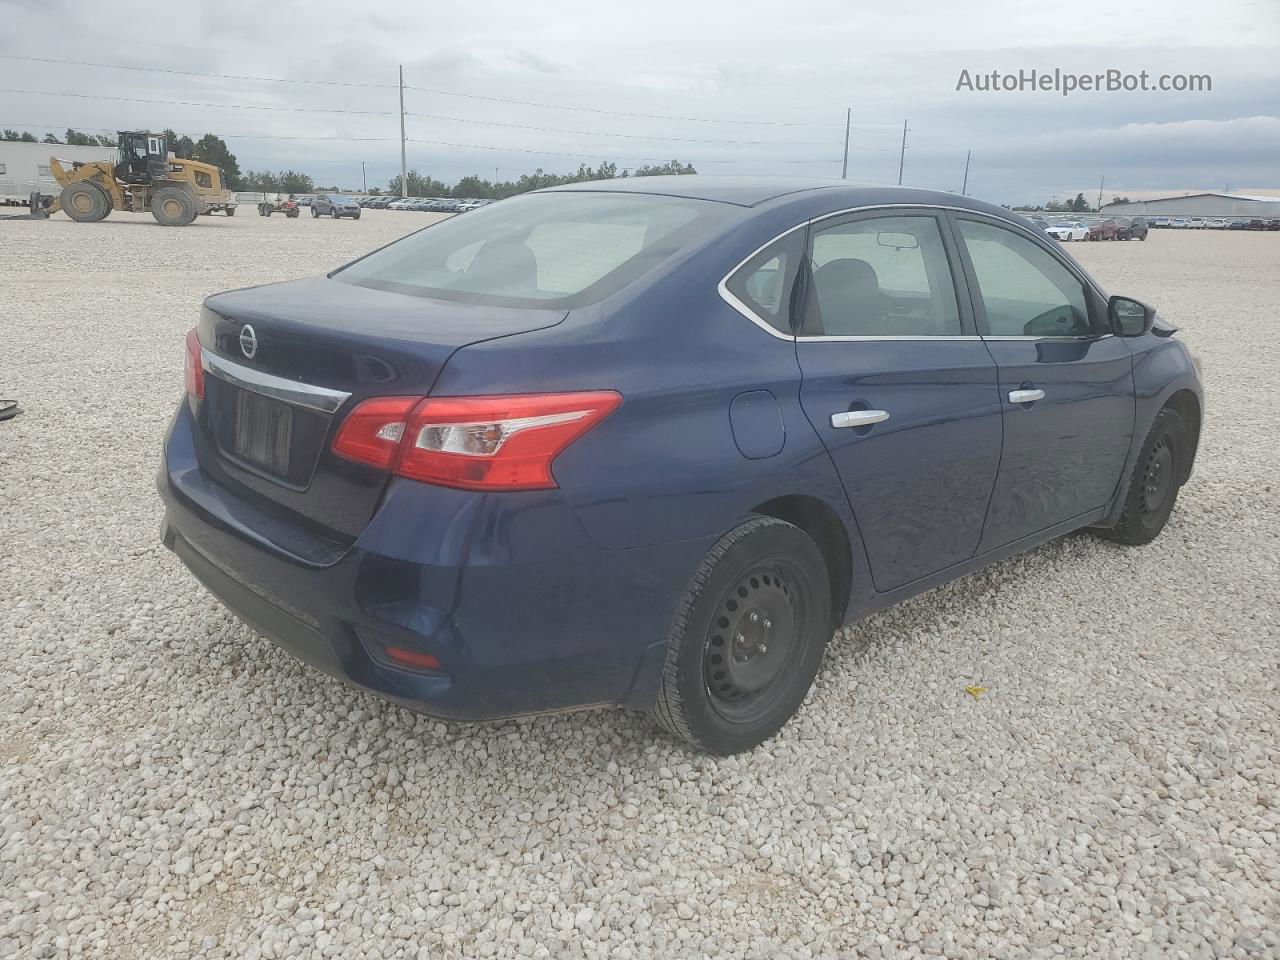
(1128, 317)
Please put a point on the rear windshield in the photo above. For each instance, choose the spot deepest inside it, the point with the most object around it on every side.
(554, 250)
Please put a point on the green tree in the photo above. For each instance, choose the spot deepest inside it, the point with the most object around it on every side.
(675, 167)
(28, 137)
(419, 186)
(11, 135)
(293, 182)
(50, 138)
(182, 147)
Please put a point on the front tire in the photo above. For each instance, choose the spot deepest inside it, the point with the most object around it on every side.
(748, 638)
(173, 207)
(1154, 485)
(85, 201)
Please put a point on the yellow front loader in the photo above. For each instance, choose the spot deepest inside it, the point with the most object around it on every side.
(144, 177)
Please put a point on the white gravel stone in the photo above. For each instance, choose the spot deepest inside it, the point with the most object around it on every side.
(171, 785)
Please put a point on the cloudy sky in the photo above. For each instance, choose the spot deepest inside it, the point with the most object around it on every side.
(745, 87)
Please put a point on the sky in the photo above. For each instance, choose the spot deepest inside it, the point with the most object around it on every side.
(735, 88)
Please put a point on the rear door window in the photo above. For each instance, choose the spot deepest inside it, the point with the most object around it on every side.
(881, 277)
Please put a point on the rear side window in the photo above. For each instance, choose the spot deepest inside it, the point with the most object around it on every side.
(555, 250)
(1025, 291)
(763, 284)
(881, 277)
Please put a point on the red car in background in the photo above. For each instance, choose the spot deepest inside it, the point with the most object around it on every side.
(1102, 230)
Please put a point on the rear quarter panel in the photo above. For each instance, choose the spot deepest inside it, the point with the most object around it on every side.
(664, 467)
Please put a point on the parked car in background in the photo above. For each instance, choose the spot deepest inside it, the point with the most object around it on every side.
(1160, 222)
(1102, 230)
(1131, 228)
(649, 442)
(1196, 223)
(1273, 225)
(305, 200)
(1239, 223)
(1069, 230)
(1257, 223)
(1179, 223)
(1040, 222)
(335, 205)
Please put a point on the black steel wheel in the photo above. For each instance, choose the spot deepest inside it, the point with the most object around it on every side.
(1153, 486)
(748, 638)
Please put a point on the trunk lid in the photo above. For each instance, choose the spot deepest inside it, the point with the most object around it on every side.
(284, 363)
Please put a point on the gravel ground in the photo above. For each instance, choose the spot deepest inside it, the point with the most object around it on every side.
(171, 785)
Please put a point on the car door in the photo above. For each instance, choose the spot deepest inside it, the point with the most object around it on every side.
(900, 388)
(1066, 385)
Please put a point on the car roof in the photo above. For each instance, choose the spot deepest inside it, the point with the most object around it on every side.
(756, 191)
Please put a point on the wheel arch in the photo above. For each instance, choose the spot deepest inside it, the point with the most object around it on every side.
(1186, 404)
(825, 527)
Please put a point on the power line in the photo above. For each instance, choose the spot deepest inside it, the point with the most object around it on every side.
(434, 90)
(189, 103)
(193, 73)
(612, 113)
(589, 156)
(629, 136)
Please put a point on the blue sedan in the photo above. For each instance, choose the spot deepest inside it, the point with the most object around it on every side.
(647, 443)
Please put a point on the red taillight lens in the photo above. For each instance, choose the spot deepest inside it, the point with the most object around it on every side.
(478, 443)
(373, 430)
(413, 658)
(193, 369)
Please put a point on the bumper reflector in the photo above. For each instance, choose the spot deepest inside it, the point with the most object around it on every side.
(413, 658)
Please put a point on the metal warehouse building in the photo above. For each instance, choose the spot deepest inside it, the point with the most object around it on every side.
(1199, 205)
(25, 166)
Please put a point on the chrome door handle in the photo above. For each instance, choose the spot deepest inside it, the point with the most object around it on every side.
(1025, 396)
(859, 418)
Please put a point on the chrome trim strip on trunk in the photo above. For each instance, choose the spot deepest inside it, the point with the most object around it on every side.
(269, 385)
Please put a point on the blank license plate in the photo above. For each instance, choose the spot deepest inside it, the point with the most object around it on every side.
(264, 431)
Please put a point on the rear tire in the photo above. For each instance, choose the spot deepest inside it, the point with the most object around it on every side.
(1153, 487)
(334, 213)
(173, 207)
(748, 638)
(229, 211)
(314, 212)
(85, 201)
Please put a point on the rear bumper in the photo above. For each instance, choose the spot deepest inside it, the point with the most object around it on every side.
(523, 611)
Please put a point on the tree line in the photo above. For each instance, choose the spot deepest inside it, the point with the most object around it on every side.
(213, 149)
(73, 137)
(478, 188)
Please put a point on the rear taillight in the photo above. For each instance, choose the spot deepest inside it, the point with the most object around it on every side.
(478, 443)
(193, 369)
(372, 431)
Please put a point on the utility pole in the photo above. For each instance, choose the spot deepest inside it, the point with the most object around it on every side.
(964, 188)
(404, 173)
(902, 157)
(364, 177)
(1100, 185)
(844, 167)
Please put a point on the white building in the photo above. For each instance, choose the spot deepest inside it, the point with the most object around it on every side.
(1199, 205)
(25, 166)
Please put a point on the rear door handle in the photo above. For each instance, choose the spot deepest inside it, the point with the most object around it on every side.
(859, 418)
(1025, 396)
